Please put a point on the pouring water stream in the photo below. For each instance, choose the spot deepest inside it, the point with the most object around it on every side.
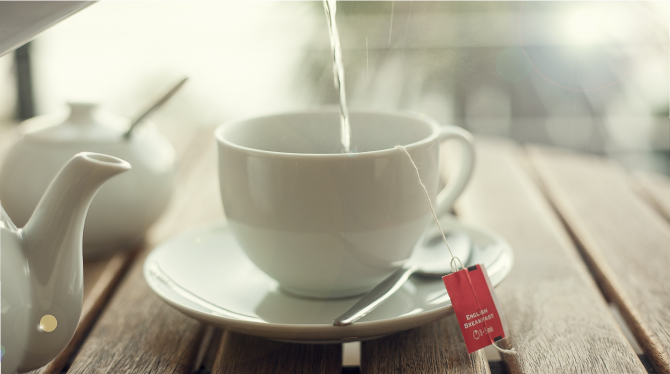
(330, 7)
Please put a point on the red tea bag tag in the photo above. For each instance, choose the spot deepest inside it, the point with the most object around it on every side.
(476, 308)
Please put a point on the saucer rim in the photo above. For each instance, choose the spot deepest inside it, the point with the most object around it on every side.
(313, 333)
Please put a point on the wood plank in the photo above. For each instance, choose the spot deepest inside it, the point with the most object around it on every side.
(242, 354)
(558, 320)
(101, 276)
(625, 242)
(435, 348)
(655, 189)
(211, 350)
(138, 332)
(100, 279)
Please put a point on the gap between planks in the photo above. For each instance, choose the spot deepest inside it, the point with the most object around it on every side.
(434, 348)
(100, 279)
(137, 332)
(101, 276)
(655, 189)
(625, 242)
(245, 354)
(558, 319)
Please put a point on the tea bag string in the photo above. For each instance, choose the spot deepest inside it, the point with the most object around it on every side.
(453, 258)
(452, 263)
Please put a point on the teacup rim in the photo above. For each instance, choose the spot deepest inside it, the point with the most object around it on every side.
(408, 114)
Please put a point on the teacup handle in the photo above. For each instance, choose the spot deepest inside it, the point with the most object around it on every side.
(446, 198)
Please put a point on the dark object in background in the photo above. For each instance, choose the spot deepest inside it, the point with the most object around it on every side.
(24, 83)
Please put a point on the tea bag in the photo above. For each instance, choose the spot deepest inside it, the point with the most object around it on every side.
(480, 319)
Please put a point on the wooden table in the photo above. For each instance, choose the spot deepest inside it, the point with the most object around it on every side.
(591, 241)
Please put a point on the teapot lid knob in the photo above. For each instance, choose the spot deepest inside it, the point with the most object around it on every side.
(84, 126)
(82, 113)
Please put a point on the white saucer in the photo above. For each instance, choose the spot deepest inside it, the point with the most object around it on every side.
(204, 274)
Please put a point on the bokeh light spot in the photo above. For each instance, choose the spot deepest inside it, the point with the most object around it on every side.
(512, 65)
(584, 26)
(48, 323)
(2, 352)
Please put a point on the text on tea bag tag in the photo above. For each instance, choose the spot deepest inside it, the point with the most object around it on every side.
(472, 296)
(476, 307)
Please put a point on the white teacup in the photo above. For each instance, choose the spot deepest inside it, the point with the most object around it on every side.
(327, 224)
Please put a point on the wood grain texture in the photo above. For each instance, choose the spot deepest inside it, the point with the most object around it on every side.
(434, 348)
(243, 354)
(212, 350)
(138, 332)
(558, 320)
(100, 276)
(654, 188)
(625, 242)
(100, 279)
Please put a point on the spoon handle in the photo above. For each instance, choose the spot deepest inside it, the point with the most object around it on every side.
(155, 106)
(376, 296)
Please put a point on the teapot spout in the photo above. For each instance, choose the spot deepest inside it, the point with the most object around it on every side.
(52, 245)
(58, 221)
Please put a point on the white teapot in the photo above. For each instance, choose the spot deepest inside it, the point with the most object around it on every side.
(42, 268)
(124, 209)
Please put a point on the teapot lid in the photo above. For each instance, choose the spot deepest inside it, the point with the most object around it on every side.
(85, 125)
